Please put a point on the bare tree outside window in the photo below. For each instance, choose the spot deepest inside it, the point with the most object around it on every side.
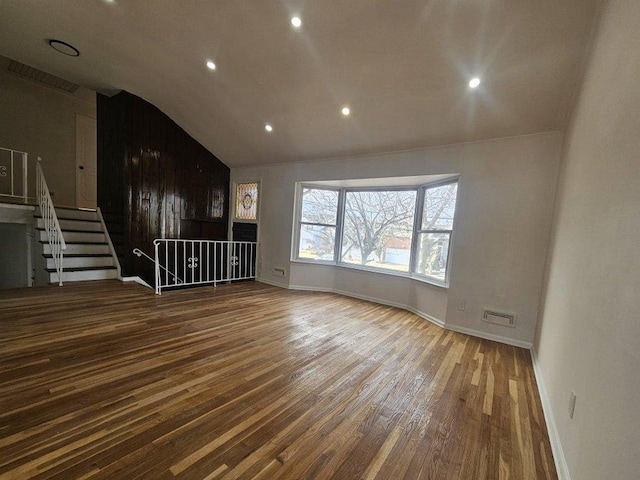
(434, 235)
(318, 219)
(378, 227)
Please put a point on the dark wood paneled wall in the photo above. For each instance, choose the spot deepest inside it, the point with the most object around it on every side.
(155, 181)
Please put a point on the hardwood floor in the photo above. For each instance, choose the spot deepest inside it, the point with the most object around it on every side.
(105, 380)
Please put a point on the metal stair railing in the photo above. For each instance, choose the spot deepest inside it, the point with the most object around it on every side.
(201, 262)
(139, 253)
(204, 262)
(50, 221)
(9, 171)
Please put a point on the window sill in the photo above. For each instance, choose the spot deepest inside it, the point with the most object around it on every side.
(348, 266)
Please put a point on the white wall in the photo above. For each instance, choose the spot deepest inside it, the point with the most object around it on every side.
(588, 338)
(505, 205)
(41, 121)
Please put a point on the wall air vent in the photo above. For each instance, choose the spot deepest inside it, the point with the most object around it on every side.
(499, 318)
(279, 272)
(41, 77)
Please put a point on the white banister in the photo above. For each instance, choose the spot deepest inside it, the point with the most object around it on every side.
(201, 262)
(139, 253)
(50, 221)
(25, 176)
(9, 171)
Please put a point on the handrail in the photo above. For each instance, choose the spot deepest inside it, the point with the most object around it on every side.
(50, 221)
(139, 253)
(204, 262)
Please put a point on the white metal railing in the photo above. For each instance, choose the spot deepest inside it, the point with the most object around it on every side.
(199, 262)
(13, 168)
(50, 221)
(139, 253)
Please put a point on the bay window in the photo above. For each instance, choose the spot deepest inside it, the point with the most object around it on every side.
(317, 224)
(377, 228)
(406, 230)
(434, 231)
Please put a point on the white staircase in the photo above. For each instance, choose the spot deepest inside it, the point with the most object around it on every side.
(87, 255)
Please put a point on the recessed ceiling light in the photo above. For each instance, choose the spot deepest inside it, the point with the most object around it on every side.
(474, 82)
(346, 111)
(296, 22)
(211, 65)
(64, 47)
(268, 127)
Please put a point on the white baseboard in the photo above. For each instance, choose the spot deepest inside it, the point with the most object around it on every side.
(426, 316)
(273, 283)
(558, 453)
(556, 446)
(136, 280)
(489, 336)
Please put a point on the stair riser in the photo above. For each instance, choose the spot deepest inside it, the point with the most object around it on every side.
(76, 225)
(80, 249)
(84, 236)
(77, 237)
(85, 275)
(84, 262)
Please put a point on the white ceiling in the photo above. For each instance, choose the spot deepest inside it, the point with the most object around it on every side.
(402, 66)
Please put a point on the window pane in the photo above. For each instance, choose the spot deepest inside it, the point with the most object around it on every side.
(247, 201)
(433, 249)
(439, 207)
(378, 228)
(319, 206)
(316, 242)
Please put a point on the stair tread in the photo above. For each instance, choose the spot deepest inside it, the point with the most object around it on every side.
(80, 269)
(76, 209)
(71, 230)
(79, 255)
(44, 242)
(73, 219)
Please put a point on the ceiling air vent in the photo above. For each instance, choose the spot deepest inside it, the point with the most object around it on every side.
(499, 318)
(41, 77)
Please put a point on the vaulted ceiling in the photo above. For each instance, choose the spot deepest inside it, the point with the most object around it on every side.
(402, 67)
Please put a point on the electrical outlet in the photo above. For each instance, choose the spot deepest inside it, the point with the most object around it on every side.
(572, 404)
(462, 305)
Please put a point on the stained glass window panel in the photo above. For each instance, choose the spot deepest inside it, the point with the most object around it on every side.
(247, 201)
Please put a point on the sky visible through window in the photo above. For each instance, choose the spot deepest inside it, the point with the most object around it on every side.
(378, 228)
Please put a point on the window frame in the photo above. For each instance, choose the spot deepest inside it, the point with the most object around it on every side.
(418, 230)
(299, 223)
(342, 213)
(234, 198)
(340, 218)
